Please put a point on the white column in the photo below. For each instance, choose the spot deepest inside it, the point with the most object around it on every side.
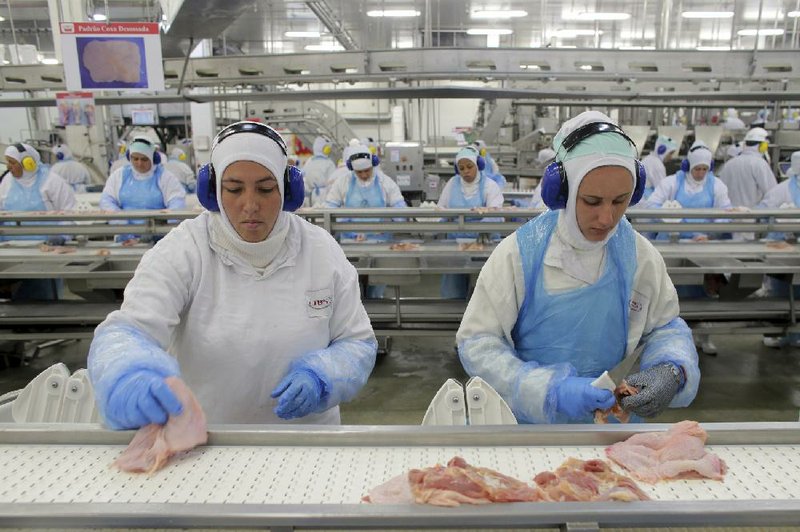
(203, 122)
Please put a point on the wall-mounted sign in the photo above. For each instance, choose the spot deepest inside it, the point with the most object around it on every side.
(75, 108)
(117, 55)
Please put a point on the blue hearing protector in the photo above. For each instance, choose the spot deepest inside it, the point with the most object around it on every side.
(555, 188)
(156, 154)
(293, 188)
(480, 162)
(685, 161)
(59, 155)
(374, 159)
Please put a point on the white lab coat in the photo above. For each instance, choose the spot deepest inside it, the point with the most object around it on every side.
(777, 196)
(56, 193)
(169, 185)
(748, 178)
(119, 163)
(500, 292)
(337, 192)
(183, 172)
(654, 169)
(234, 331)
(316, 175)
(668, 188)
(494, 196)
(74, 173)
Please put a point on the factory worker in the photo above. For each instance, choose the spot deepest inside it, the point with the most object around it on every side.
(576, 289)
(469, 188)
(543, 159)
(73, 172)
(144, 184)
(748, 176)
(664, 150)
(317, 171)
(255, 309)
(694, 186)
(176, 164)
(492, 170)
(32, 186)
(732, 120)
(122, 159)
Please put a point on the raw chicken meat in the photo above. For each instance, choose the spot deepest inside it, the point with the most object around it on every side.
(622, 391)
(112, 61)
(58, 250)
(679, 453)
(587, 480)
(153, 444)
(460, 483)
(404, 246)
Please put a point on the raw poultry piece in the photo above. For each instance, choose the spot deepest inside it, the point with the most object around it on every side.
(678, 453)
(110, 60)
(58, 250)
(587, 480)
(404, 246)
(153, 444)
(472, 246)
(622, 391)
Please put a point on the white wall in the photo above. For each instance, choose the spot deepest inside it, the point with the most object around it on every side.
(14, 125)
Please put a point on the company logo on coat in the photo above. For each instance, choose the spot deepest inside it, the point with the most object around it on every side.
(635, 306)
(321, 303)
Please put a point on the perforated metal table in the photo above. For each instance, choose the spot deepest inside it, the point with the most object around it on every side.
(304, 476)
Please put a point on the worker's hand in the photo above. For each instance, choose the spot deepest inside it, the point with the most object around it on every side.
(56, 240)
(576, 398)
(657, 386)
(298, 394)
(140, 398)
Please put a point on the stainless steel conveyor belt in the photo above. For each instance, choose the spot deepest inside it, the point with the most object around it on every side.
(310, 476)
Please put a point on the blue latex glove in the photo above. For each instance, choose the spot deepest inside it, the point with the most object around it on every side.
(56, 240)
(576, 398)
(141, 398)
(298, 394)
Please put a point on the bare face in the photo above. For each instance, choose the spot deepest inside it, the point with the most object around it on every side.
(467, 170)
(14, 166)
(699, 172)
(251, 199)
(603, 196)
(364, 175)
(141, 163)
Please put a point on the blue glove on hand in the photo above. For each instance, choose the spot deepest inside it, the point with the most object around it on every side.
(576, 398)
(141, 398)
(56, 240)
(300, 394)
(657, 386)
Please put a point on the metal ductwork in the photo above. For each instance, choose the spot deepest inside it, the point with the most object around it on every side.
(196, 20)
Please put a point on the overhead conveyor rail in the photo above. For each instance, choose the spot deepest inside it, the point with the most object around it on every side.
(287, 477)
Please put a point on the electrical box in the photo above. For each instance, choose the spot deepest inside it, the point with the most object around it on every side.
(402, 161)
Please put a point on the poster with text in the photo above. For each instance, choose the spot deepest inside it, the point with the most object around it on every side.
(75, 108)
(115, 55)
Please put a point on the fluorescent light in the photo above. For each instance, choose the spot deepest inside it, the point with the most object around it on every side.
(3, 19)
(315, 34)
(761, 32)
(324, 47)
(489, 31)
(99, 17)
(394, 13)
(713, 48)
(49, 61)
(790, 14)
(637, 47)
(585, 67)
(707, 14)
(596, 15)
(566, 34)
(497, 13)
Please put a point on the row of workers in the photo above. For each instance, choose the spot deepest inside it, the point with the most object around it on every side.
(291, 341)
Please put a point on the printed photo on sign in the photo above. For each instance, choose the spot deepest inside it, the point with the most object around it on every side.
(112, 62)
(75, 109)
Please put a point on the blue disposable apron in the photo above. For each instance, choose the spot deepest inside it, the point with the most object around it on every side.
(359, 197)
(702, 200)
(21, 198)
(140, 194)
(587, 326)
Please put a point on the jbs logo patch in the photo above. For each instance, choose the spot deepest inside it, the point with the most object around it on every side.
(635, 306)
(320, 303)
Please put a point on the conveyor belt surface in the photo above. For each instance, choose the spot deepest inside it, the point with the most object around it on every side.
(324, 474)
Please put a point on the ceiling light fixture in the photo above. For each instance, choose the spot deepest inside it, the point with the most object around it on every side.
(761, 32)
(628, 48)
(99, 17)
(324, 47)
(497, 13)
(596, 15)
(49, 61)
(790, 14)
(489, 31)
(2, 19)
(567, 34)
(713, 48)
(707, 14)
(314, 34)
(394, 13)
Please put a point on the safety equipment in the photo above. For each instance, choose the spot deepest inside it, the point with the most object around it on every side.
(685, 164)
(139, 398)
(293, 187)
(657, 386)
(298, 394)
(576, 398)
(148, 142)
(555, 189)
(480, 162)
(359, 154)
(62, 152)
(326, 150)
(28, 162)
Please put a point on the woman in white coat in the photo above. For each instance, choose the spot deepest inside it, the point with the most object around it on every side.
(255, 308)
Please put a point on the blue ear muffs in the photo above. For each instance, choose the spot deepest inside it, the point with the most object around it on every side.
(60, 156)
(480, 162)
(685, 161)
(661, 149)
(555, 187)
(293, 185)
(156, 154)
(373, 158)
